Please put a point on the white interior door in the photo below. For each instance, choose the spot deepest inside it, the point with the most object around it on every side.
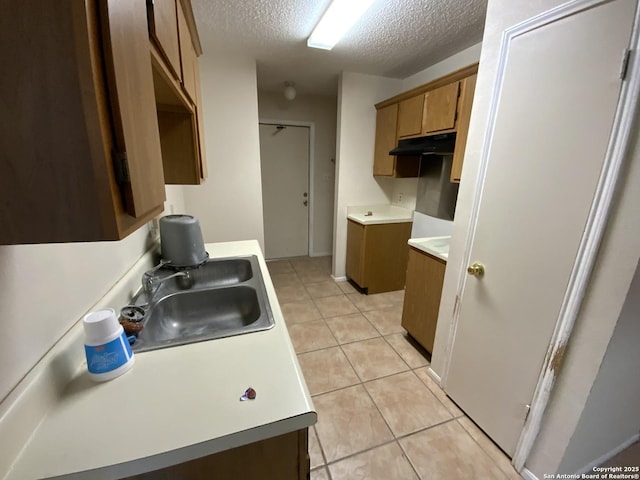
(284, 156)
(552, 126)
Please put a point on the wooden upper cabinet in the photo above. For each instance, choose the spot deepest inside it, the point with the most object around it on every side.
(386, 122)
(467, 90)
(188, 56)
(388, 165)
(163, 26)
(440, 108)
(178, 102)
(79, 145)
(137, 143)
(199, 117)
(410, 116)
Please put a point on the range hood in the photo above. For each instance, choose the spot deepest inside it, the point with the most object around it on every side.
(436, 195)
(441, 144)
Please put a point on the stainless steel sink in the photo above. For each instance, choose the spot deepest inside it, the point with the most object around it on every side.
(227, 297)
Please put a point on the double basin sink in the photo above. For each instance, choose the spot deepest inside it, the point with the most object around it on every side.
(224, 297)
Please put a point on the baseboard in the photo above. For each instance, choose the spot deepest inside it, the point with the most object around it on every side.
(338, 279)
(320, 254)
(609, 455)
(434, 376)
(528, 474)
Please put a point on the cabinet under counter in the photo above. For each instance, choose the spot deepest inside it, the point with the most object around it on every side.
(376, 255)
(425, 277)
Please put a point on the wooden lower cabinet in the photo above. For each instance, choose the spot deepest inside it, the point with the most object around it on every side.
(284, 457)
(425, 276)
(377, 255)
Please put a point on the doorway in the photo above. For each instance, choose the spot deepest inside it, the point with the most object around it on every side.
(285, 159)
(534, 215)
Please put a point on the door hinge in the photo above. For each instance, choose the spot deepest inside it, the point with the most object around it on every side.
(527, 409)
(121, 167)
(625, 63)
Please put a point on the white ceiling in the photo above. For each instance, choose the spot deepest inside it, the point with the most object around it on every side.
(394, 38)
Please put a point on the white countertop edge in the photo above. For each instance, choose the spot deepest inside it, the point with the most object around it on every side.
(25, 409)
(192, 452)
(418, 244)
(381, 214)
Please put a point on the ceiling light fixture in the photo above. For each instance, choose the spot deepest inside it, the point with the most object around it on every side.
(289, 91)
(339, 17)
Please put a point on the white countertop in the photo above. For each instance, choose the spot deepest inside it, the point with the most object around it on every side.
(175, 404)
(379, 214)
(436, 246)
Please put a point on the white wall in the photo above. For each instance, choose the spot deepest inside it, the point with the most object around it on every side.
(455, 62)
(46, 288)
(229, 203)
(355, 183)
(605, 423)
(610, 281)
(321, 111)
(404, 192)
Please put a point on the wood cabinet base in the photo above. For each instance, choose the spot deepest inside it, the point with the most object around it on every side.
(425, 276)
(279, 458)
(377, 255)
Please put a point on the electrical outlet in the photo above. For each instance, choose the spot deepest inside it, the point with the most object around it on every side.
(154, 228)
(400, 198)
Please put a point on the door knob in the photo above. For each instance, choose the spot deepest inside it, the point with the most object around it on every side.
(305, 203)
(477, 269)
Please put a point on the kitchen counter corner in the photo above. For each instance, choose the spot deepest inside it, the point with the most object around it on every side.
(435, 246)
(378, 214)
(176, 404)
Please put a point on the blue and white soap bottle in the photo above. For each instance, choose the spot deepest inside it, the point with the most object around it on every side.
(108, 352)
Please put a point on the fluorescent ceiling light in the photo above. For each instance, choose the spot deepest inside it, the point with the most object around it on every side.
(335, 22)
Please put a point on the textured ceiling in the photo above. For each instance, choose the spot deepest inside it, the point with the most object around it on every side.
(394, 38)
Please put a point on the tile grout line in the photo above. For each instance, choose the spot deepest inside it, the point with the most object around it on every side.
(437, 398)
(388, 442)
(396, 439)
(324, 456)
(362, 383)
(481, 447)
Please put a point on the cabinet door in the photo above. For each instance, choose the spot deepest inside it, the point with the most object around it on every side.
(467, 89)
(284, 457)
(188, 55)
(135, 124)
(199, 118)
(440, 108)
(385, 256)
(386, 123)
(425, 276)
(163, 26)
(355, 252)
(410, 116)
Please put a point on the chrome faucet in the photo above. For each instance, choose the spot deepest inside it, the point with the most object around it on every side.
(150, 282)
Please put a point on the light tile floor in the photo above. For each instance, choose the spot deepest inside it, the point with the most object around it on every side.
(380, 415)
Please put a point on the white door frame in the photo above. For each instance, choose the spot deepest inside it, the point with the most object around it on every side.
(596, 220)
(312, 142)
